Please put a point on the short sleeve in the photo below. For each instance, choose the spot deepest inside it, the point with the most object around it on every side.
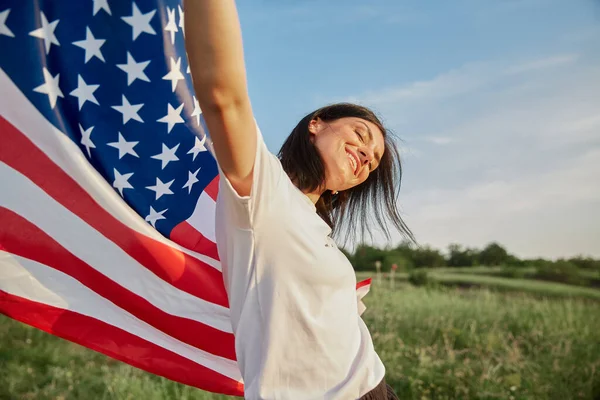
(267, 176)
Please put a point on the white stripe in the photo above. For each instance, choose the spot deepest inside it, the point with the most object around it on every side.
(362, 291)
(37, 282)
(17, 109)
(203, 217)
(74, 234)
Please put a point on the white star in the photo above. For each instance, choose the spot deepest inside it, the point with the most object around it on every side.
(197, 111)
(129, 111)
(50, 87)
(101, 5)
(86, 139)
(198, 147)
(122, 181)
(91, 45)
(173, 117)
(161, 188)
(124, 147)
(154, 216)
(167, 155)
(174, 74)
(188, 69)
(140, 22)
(181, 20)
(192, 179)
(84, 92)
(46, 32)
(3, 28)
(134, 70)
(171, 25)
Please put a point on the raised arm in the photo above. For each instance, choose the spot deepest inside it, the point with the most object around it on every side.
(214, 45)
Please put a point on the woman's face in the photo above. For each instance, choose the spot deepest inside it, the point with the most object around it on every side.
(350, 148)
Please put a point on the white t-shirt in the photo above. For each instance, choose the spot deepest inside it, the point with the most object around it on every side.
(292, 293)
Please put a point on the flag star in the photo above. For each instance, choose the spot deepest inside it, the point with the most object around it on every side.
(129, 111)
(198, 147)
(173, 117)
(50, 87)
(124, 147)
(181, 20)
(188, 69)
(161, 188)
(3, 28)
(167, 155)
(174, 74)
(122, 181)
(46, 32)
(140, 22)
(197, 111)
(86, 139)
(134, 70)
(192, 179)
(155, 216)
(171, 25)
(84, 92)
(91, 45)
(101, 5)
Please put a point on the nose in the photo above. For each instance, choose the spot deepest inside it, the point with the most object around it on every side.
(366, 155)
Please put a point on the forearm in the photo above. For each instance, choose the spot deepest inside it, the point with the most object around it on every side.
(214, 47)
(215, 52)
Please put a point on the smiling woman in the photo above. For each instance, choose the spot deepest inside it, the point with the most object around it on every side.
(294, 310)
(316, 157)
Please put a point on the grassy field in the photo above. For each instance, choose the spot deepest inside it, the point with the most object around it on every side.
(442, 343)
(485, 277)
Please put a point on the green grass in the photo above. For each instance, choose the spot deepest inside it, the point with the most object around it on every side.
(479, 344)
(525, 285)
(480, 277)
(437, 343)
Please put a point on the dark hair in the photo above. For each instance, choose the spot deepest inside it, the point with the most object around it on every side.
(374, 199)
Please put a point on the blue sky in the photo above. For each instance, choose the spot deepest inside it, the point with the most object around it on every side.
(497, 104)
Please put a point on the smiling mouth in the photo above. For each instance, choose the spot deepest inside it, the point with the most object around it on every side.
(353, 162)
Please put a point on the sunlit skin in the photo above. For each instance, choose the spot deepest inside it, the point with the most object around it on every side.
(350, 148)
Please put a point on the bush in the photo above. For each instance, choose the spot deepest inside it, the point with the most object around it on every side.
(419, 277)
(512, 272)
(560, 271)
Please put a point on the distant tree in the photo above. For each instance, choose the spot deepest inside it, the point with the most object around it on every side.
(427, 257)
(365, 256)
(461, 257)
(585, 263)
(400, 259)
(493, 254)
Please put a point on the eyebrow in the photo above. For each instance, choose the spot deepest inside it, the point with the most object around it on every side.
(377, 155)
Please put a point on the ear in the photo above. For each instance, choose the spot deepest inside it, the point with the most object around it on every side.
(315, 126)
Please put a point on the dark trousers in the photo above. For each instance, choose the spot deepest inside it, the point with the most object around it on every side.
(383, 391)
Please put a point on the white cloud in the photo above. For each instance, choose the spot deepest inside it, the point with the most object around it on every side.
(527, 169)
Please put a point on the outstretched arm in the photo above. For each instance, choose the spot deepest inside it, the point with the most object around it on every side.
(214, 47)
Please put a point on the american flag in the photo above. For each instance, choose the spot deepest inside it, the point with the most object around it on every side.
(109, 187)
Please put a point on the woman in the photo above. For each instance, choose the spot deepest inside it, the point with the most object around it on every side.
(298, 333)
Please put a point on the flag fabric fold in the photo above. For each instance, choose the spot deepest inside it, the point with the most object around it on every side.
(109, 187)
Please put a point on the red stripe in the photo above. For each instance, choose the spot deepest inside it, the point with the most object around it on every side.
(366, 282)
(20, 237)
(189, 237)
(178, 268)
(213, 188)
(117, 343)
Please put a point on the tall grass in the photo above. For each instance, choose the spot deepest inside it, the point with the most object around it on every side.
(436, 344)
(446, 344)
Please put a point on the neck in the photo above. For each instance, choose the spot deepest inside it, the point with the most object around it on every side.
(313, 196)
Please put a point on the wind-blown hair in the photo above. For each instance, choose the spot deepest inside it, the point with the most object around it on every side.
(355, 209)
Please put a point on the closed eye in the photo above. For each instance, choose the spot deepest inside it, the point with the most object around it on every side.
(362, 139)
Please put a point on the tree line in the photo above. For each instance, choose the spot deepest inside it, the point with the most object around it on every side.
(407, 257)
